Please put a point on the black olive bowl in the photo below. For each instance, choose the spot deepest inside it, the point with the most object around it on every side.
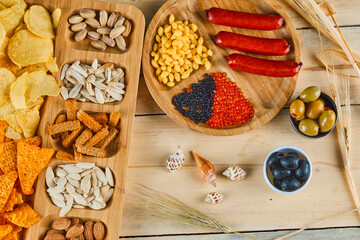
(268, 174)
(328, 103)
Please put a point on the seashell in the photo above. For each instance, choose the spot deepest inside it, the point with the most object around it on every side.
(109, 176)
(103, 17)
(99, 96)
(175, 161)
(81, 35)
(120, 43)
(78, 26)
(60, 172)
(49, 176)
(75, 19)
(63, 71)
(71, 168)
(112, 20)
(116, 31)
(213, 198)
(100, 175)
(128, 27)
(58, 203)
(93, 35)
(107, 40)
(108, 195)
(64, 92)
(206, 169)
(87, 13)
(235, 173)
(67, 208)
(92, 22)
(75, 91)
(119, 22)
(85, 165)
(98, 45)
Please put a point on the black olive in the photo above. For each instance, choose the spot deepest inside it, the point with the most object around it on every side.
(290, 162)
(303, 172)
(277, 183)
(273, 161)
(290, 184)
(280, 173)
(279, 154)
(292, 154)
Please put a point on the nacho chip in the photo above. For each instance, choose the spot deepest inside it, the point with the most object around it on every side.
(12, 236)
(25, 48)
(18, 92)
(7, 182)
(40, 84)
(39, 21)
(30, 161)
(5, 230)
(23, 216)
(8, 157)
(11, 120)
(36, 141)
(12, 134)
(2, 33)
(56, 17)
(28, 120)
(5, 62)
(51, 65)
(15, 198)
(32, 68)
(6, 79)
(2, 131)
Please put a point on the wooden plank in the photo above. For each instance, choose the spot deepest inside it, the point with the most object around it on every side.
(248, 205)
(318, 234)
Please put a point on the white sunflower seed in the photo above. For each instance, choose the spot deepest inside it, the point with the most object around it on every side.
(64, 92)
(63, 71)
(99, 96)
(75, 91)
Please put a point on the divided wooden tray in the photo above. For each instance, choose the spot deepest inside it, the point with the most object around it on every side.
(68, 51)
(267, 94)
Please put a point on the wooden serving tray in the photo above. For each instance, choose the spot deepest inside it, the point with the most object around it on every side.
(267, 94)
(68, 51)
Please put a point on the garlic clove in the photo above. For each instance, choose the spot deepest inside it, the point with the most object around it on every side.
(206, 169)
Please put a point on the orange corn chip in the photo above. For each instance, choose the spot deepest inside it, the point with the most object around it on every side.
(30, 161)
(88, 121)
(77, 155)
(5, 230)
(8, 157)
(2, 219)
(85, 135)
(101, 118)
(64, 156)
(61, 118)
(7, 182)
(100, 135)
(114, 119)
(71, 108)
(23, 216)
(14, 199)
(12, 236)
(36, 141)
(6, 139)
(2, 131)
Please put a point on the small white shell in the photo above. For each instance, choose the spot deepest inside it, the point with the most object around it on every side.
(235, 173)
(175, 161)
(214, 198)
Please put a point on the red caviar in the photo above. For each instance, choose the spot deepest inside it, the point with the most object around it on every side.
(230, 106)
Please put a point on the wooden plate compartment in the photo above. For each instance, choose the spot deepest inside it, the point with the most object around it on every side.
(267, 94)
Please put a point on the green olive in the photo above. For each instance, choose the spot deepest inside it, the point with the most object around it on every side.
(310, 94)
(315, 109)
(297, 108)
(309, 127)
(327, 120)
(323, 101)
(301, 118)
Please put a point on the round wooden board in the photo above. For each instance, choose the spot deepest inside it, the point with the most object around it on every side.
(267, 94)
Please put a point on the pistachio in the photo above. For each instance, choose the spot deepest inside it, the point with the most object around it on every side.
(103, 17)
(93, 35)
(78, 26)
(79, 36)
(120, 42)
(75, 19)
(128, 26)
(103, 30)
(112, 20)
(87, 13)
(120, 21)
(108, 41)
(98, 44)
(116, 31)
(92, 22)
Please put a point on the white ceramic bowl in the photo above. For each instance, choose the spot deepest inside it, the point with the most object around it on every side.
(267, 173)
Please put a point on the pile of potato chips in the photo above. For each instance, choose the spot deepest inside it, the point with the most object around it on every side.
(21, 161)
(26, 57)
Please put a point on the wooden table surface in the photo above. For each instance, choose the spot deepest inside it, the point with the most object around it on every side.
(249, 206)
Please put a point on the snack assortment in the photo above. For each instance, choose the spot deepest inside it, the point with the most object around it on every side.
(102, 28)
(79, 185)
(96, 83)
(311, 114)
(178, 51)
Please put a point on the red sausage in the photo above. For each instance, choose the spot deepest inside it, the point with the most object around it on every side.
(263, 67)
(244, 20)
(250, 44)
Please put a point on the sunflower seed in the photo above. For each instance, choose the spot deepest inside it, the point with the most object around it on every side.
(103, 17)
(120, 42)
(93, 35)
(80, 35)
(98, 45)
(116, 31)
(75, 91)
(75, 19)
(103, 30)
(119, 22)
(63, 71)
(112, 20)
(128, 27)
(87, 13)
(99, 96)
(108, 41)
(78, 26)
(64, 92)
(77, 76)
(92, 22)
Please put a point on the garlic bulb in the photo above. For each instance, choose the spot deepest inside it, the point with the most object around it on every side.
(176, 160)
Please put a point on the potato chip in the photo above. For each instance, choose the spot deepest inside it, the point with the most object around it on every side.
(32, 68)
(23, 216)
(3, 47)
(7, 182)
(11, 17)
(11, 120)
(8, 157)
(36, 104)
(56, 17)
(5, 62)
(26, 49)
(51, 65)
(2, 7)
(4, 99)
(12, 134)
(15, 198)
(18, 92)
(36, 141)
(21, 26)
(39, 21)
(39, 84)
(2, 34)
(6, 109)
(2, 131)
(30, 161)
(28, 120)
(6, 79)
(5, 230)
